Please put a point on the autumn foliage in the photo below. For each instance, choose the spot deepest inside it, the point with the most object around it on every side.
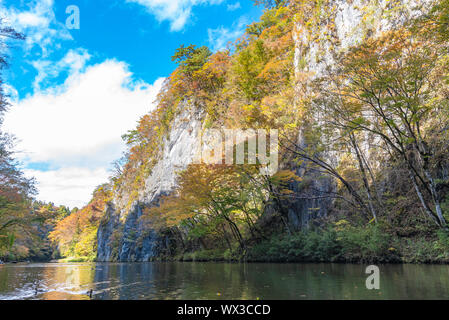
(76, 235)
(374, 123)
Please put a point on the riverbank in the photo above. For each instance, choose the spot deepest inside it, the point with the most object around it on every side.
(73, 260)
(337, 243)
(345, 245)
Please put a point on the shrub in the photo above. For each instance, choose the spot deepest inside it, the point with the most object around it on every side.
(204, 255)
(302, 246)
(365, 244)
(350, 244)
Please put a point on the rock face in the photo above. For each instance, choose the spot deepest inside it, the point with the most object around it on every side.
(121, 237)
(135, 244)
(354, 21)
(105, 231)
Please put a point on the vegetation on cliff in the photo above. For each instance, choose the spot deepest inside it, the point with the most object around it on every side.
(374, 121)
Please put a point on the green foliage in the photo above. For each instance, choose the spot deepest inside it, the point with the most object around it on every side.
(269, 19)
(436, 23)
(86, 247)
(263, 62)
(442, 245)
(191, 59)
(271, 3)
(300, 247)
(249, 63)
(205, 255)
(353, 244)
(369, 244)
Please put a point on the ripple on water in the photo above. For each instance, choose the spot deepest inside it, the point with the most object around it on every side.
(218, 281)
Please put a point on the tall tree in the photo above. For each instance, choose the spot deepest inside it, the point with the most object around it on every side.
(15, 188)
(393, 88)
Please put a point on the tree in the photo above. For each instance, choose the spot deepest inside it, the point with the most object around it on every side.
(271, 3)
(75, 235)
(207, 198)
(435, 23)
(6, 33)
(393, 87)
(220, 201)
(15, 189)
(191, 58)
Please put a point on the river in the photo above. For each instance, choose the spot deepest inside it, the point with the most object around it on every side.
(48, 281)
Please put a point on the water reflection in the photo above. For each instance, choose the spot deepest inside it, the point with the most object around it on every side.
(46, 281)
(219, 281)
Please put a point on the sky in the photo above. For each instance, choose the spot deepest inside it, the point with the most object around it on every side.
(75, 91)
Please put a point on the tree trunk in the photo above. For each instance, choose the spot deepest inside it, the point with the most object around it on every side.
(364, 178)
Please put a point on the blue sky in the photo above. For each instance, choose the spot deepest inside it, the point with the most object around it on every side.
(75, 92)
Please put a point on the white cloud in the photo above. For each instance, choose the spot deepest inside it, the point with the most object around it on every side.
(38, 23)
(233, 7)
(79, 124)
(29, 19)
(73, 62)
(75, 128)
(177, 12)
(71, 186)
(221, 36)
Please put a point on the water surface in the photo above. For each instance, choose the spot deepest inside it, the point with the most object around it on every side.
(219, 281)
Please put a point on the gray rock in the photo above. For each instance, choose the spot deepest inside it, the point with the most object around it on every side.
(134, 242)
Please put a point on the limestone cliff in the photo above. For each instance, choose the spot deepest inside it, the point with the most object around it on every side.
(122, 237)
(135, 243)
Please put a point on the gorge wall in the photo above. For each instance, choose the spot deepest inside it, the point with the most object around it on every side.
(179, 150)
(346, 24)
(123, 237)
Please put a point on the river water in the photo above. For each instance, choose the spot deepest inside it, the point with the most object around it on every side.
(50, 281)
